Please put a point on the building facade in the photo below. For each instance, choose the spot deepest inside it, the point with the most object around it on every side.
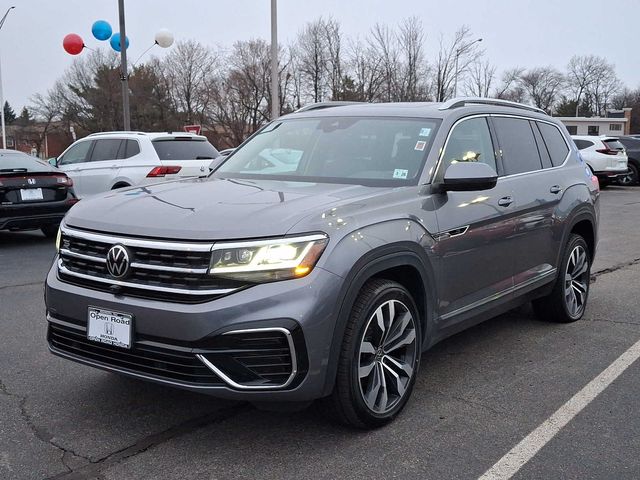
(616, 123)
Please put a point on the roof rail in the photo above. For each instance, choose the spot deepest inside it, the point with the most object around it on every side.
(323, 105)
(116, 132)
(462, 101)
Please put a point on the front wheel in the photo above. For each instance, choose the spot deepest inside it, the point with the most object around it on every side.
(568, 299)
(379, 358)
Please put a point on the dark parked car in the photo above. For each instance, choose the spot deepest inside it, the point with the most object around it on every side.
(632, 147)
(381, 230)
(33, 194)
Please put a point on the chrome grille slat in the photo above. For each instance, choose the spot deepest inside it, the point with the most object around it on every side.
(157, 268)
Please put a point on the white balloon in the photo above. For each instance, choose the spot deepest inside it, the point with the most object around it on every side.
(164, 38)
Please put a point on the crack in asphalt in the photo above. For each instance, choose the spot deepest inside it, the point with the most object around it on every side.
(40, 433)
(4, 287)
(615, 268)
(610, 321)
(95, 467)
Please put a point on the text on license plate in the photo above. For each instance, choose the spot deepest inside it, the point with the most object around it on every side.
(109, 327)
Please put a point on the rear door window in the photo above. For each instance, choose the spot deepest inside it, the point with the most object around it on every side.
(470, 141)
(518, 145)
(555, 143)
(184, 149)
(78, 153)
(106, 149)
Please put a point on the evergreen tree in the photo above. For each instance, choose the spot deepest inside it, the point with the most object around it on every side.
(9, 114)
(25, 118)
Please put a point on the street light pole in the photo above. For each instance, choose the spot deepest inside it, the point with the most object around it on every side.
(458, 52)
(123, 67)
(275, 98)
(4, 137)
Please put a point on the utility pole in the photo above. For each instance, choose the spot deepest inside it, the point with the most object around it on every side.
(459, 50)
(275, 97)
(124, 74)
(4, 136)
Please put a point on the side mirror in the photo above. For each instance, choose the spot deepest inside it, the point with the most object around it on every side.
(53, 162)
(469, 176)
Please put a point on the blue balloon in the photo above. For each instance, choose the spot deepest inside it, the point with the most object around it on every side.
(101, 30)
(115, 42)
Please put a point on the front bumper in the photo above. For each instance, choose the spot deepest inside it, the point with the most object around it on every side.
(303, 307)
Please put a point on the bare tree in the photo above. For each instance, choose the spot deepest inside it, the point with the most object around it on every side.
(542, 84)
(581, 72)
(411, 44)
(333, 54)
(508, 89)
(384, 42)
(366, 68)
(479, 79)
(453, 61)
(313, 57)
(48, 108)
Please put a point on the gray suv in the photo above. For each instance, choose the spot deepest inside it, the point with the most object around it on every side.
(327, 252)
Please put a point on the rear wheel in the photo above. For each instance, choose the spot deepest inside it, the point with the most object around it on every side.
(568, 299)
(50, 231)
(631, 178)
(379, 357)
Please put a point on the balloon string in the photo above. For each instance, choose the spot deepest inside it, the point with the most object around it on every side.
(89, 48)
(135, 64)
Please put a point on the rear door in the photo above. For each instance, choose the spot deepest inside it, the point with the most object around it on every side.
(192, 154)
(528, 169)
(98, 173)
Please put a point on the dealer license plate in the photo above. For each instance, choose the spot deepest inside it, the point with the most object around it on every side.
(109, 327)
(31, 194)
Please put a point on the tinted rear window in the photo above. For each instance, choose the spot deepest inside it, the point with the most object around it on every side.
(582, 144)
(106, 149)
(518, 145)
(554, 141)
(184, 149)
(613, 144)
(19, 161)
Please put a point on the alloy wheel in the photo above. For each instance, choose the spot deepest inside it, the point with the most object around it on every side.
(576, 281)
(387, 356)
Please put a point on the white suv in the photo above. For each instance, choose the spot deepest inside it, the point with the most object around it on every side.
(605, 156)
(110, 160)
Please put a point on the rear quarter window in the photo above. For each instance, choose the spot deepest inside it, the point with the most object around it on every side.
(555, 143)
(582, 144)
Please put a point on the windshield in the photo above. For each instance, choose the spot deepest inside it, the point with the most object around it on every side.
(184, 149)
(369, 151)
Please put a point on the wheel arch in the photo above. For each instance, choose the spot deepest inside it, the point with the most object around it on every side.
(404, 262)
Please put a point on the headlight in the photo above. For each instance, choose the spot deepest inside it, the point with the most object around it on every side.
(267, 260)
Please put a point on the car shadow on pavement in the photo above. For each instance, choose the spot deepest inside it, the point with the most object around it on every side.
(22, 239)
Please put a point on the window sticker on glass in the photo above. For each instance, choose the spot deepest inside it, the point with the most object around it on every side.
(400, 173)
(420, 145)
(425, 132)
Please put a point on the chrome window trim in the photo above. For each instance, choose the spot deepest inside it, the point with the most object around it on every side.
(225, 378)
(499, 152)
(135, 242)
(140, 286)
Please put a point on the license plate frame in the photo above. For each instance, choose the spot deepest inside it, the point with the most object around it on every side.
(30, 194)
(110, 327)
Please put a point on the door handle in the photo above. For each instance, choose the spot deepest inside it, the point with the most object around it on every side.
(505, 201)
(555, 189)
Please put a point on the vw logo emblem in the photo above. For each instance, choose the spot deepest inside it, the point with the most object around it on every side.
(118, 261)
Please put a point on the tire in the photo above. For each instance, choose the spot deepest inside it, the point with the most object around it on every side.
(377, 368)
(50, 231)
(568, 299)
(630, 178)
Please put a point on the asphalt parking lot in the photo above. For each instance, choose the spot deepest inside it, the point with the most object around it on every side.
(478, 394)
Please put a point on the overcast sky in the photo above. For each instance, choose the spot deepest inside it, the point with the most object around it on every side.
(515, 32)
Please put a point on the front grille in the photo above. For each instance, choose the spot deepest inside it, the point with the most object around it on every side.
(158, 270)
(151, 360)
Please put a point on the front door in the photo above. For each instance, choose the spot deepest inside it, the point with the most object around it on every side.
(475, 241)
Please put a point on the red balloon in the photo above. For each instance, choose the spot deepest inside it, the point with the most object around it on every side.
(73, 44)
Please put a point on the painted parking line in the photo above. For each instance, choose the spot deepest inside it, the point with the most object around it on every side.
(524, 451)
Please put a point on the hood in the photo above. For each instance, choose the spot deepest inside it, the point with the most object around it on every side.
(208, 208)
